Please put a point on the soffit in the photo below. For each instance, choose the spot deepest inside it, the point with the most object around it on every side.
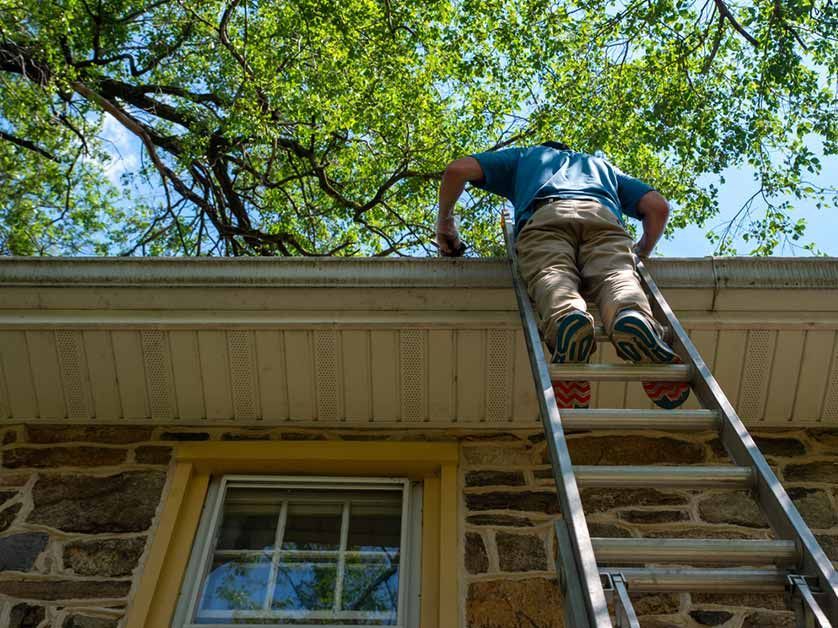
(373, 342)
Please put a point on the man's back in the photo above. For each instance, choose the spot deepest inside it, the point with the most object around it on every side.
(524, 175)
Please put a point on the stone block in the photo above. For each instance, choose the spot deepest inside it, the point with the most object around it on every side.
(656, 603)
(780, 447)
(828, 438)
(495, 478)
(104, 557)
(607, 530)
(111, 435)
(710, 618)
(733, 507)
(491, 436)
(769, 620)
(56, 589)
(85, 621)
(7, 516)
(239, 436)
(13, 479)
(499, 520)
(19, 551)
(821, 471)
(829, 544)
(814, 506)
(489, 456)
(185, 436)
(7, 496)
(153, 455)
(770, 601)
(125, 502)
(718, 451)
(514, 604)
(604, 499)
(9, 437)
(43, 458)
(705, 532)
(639, 450)
(528, 501)
(654, 516)
(521, 552)
(26, 616)
(301, 436)
(477, 561)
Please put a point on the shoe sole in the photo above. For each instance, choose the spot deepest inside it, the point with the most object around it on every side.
(572, 394)
(636, 341)
(574, 339)
(574, 343)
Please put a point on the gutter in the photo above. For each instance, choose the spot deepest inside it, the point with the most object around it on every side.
(333, 272)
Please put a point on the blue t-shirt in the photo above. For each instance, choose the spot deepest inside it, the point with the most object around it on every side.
(524, 175)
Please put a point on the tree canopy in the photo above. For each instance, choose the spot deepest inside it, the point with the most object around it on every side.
(313, 127)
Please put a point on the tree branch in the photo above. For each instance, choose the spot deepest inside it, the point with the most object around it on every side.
(29, 146)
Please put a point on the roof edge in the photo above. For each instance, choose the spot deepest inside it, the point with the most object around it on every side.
(325, 272)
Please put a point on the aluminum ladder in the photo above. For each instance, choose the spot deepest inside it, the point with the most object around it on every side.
(795, 563)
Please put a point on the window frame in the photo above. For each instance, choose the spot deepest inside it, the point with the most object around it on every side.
(154, 598)
(200, 560)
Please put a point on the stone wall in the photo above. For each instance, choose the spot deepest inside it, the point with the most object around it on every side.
(78, 506)
(509, 508)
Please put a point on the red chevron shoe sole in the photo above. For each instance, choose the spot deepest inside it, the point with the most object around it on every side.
(667, 395)
(572, 394)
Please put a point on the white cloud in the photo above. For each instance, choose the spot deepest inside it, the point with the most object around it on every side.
(123, 148)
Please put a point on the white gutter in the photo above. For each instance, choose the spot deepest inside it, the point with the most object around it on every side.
(708, 272)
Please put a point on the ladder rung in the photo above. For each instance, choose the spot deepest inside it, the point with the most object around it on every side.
(621, 372)
(636, 476)
(688, 551)
(659, 579)
(618, 419)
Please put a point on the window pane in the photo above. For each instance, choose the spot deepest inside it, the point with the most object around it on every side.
(305, 586)
(313, 526)
(375, 525)
(250, 519)
(236, 584)
(371, 586)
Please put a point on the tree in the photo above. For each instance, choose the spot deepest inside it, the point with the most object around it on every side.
(310, 127)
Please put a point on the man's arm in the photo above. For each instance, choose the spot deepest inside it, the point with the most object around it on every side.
(454, 179)
(653, 210)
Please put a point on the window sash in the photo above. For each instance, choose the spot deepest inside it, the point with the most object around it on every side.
(212, 531)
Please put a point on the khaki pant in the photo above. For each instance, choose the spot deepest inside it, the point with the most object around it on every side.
(571, 242)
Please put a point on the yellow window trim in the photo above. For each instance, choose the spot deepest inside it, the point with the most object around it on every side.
(153, 604)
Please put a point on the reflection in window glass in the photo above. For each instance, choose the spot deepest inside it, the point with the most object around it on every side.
(312, 526)
(305, 556)
(305, 585)
(236, 584)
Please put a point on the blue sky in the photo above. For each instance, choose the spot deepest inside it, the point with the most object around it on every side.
(821, 224)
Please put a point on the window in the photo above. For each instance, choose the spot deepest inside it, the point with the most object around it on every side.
(184, 539)
(292, 551)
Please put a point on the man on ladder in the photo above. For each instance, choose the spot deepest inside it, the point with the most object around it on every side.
(571, 244)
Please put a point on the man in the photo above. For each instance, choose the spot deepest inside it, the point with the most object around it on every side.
(571, 242)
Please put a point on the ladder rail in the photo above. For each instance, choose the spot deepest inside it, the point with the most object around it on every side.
(580, 566)
(778, 507)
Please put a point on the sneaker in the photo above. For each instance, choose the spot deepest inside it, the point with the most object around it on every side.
(574, 343)
(574, 339)
(637, 340)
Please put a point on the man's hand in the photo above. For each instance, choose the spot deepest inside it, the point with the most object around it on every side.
(448, 239)
(454, 181)
(640, 249)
